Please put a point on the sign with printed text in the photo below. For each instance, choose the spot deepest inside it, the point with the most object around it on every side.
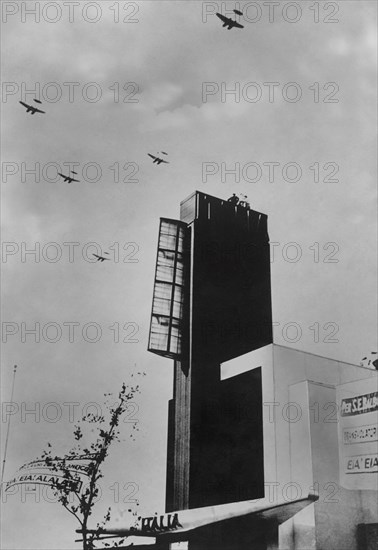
(360, 404)
(362, 464)
(38, 472)
(358, 434)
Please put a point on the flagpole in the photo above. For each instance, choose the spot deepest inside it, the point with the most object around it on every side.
(9, 420)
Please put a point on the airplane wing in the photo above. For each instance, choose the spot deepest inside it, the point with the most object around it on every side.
(66, 178)
(73, 179)
(165, 161)
(25, 104)
(223, 18)
(35, 110)
(100, 258)
(152, 156)
(238, 25)
(175, 526)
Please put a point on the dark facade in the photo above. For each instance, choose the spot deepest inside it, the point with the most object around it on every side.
(219, 266)
(230, 283)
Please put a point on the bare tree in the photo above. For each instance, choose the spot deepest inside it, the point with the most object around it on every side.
(68, 486)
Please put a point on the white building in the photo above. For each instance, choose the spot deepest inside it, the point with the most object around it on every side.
(320, 433)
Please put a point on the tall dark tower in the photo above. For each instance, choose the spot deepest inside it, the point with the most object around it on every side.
(212, 303)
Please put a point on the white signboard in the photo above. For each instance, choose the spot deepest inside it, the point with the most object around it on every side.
(358, 434)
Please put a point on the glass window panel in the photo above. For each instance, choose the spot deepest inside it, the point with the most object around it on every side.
(159, 342)
(177, 309)
(175, 323)
(161, 306)
(174, 345)
(165, 257)
(163, 290)
(158, 337)
(175, 331)
(178, 294)
(159, 321)
(164, 273)
(167, 241)
(179, 280)
(157, 327)
(168, 227)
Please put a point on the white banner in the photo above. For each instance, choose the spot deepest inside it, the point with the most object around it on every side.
(39, 472)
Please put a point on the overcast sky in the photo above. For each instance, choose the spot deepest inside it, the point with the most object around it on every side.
(164, 60)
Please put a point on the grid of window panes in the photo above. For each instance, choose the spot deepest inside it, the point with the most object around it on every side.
(167, 305)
